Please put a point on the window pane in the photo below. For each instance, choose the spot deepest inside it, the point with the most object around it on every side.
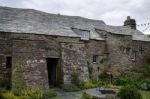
(95, 58)
(84, 35)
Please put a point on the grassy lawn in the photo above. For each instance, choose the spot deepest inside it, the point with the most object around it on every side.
(145, 94)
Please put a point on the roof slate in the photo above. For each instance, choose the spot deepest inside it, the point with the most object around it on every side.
(32, 21)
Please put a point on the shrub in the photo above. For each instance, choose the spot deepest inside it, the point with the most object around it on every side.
(69, 87)
(49, 94)
(18, 82)
(125, 81)
(89, 84)
(129, 92)
(75, 77)
(144, 84)
(103, 76)
(7, 95)
(113, 86)
(145, 70)
(32, 93)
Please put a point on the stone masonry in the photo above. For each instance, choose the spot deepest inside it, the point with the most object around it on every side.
(44, 49)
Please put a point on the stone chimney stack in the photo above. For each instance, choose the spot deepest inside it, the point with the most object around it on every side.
(130, 23)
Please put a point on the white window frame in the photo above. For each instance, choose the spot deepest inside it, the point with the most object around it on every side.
(84, 34)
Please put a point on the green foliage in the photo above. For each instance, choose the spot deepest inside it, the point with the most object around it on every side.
(32, 93)
(148, 36)
(144, 84)
(125, 80)
(89, 84)
(145, 94)
(105, 77)
(129, 92)
(49, 94)
(86, 96)
(90, 69)
(145, 70)
(9, 95)
(75, 77)
(113, 86)
(18, 82)
(69, 88)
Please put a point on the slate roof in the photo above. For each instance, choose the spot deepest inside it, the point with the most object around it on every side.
(33, 21)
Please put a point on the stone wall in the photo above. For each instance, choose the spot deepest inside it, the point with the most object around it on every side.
(141, 53)
(98, 49)
(31, 51)
(74, 60)
(5, 48)
(120, 49)
(5, 51)
(29, 55)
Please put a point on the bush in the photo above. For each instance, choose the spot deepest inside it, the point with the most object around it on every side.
(49, 94)
(69, 88)
(145, 70)
(144, 84)
(125, 81)
(113, 86)
(89, 84)
(75, 77)
(129, 92)
(9, 95)
(104, 76)
(32, 93)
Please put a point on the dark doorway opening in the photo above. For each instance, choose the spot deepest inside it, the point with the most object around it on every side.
(8, 73)
(52, 71)
(8, 62)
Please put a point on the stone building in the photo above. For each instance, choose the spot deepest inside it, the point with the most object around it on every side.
(44, 49)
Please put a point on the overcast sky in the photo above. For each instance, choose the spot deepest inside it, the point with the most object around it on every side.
(113, 12)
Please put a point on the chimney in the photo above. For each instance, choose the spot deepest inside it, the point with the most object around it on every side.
(131, 23)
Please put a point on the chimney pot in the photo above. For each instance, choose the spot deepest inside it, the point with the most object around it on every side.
(130, 23)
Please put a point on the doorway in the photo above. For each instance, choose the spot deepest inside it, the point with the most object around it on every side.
(52, 71)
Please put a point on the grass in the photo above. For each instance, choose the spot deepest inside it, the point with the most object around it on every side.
(57, 97)
(145, 94)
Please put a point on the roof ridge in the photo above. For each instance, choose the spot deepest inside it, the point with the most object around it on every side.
(62, 15)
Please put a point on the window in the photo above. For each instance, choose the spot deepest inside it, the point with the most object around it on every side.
(95, 57)
(84, 34)
(8, 62)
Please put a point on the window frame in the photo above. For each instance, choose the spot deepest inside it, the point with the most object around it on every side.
(84, 34)
(95, 59)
